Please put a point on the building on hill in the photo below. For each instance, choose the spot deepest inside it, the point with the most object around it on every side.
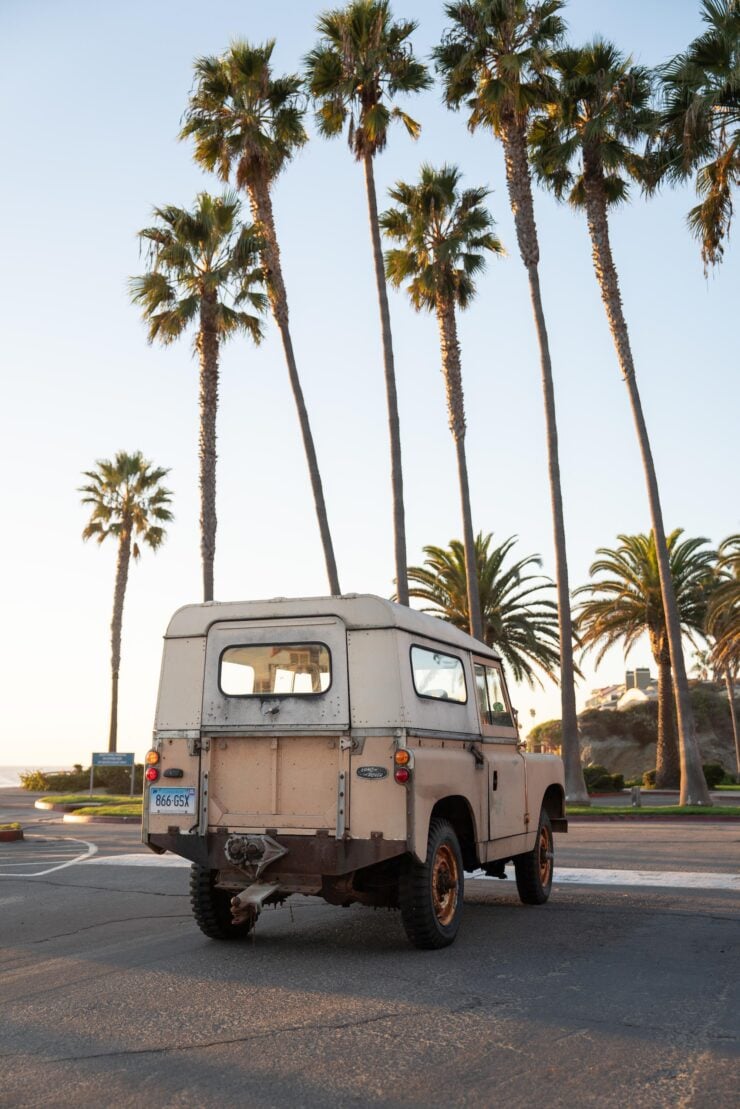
(639, 686)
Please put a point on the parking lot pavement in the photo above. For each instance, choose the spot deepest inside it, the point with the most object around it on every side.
(607, 996)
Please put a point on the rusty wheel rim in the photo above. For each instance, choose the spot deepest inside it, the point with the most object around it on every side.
(445, 884)
(546, 856)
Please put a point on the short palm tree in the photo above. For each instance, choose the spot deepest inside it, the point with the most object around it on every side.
(130, 504)
(495, 57)
(203, 271)
(628, 602)
(364, 60)
(519, 620)
(700, 124)
(248, 123)
(583, 148)
(444, 232)
(723, 625)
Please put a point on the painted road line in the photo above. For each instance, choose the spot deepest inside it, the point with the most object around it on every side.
(566, 875)
(81, 856)
(139, 860)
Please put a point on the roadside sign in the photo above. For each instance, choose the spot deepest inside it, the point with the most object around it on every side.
(112, 758)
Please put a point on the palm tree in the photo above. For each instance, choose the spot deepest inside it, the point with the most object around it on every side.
(723, 625)
(199, 261)
(495, 57)
(128, 503)
(629, 603)
(444, 232)
(582, 148)
(249, 123)
(700, 124)
(518, 620)
(361, 63)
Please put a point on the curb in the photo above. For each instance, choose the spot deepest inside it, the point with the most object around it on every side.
(10, 835)
(77, 818)
(641, 818)
(53, 806)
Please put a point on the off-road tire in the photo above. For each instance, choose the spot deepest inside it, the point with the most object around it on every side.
(212, 907)
(430, 894)
(534, 870)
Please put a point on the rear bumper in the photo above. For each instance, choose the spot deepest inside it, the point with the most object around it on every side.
(305, 855)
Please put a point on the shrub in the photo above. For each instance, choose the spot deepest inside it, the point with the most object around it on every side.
(599, 780)
(34, 780)
(114, 779)
(713, 774)
(648, 779)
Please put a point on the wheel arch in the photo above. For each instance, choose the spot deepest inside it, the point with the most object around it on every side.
(553, 802)
(456, 809)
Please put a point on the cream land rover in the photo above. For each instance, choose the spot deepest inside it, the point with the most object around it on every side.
(344, 747)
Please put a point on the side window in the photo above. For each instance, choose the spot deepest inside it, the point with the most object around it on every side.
(491, 697)
(499, 714)
(438, 675)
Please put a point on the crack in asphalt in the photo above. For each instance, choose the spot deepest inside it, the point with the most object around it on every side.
(171, 1048)
(105, 923)
(105, 889)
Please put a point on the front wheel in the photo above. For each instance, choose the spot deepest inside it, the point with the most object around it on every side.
(430, 894)
(212, 907)
(534, 870)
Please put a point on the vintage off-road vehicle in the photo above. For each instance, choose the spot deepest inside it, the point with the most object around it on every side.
(345, 747)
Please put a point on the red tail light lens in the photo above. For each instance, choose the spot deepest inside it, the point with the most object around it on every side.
(402, 774)
(152, 774)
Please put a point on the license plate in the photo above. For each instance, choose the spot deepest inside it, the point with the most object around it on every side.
(163, 800)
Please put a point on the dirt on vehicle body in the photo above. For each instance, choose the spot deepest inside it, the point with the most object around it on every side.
(345, 747)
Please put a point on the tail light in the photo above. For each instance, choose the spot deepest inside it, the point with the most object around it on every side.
(151, 774)
(152, 757)
(404, 762)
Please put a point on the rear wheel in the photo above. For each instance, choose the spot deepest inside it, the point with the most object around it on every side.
(430, 894)
(212, 907)
(534, 870)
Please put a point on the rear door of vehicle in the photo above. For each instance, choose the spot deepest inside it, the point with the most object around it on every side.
(278, 759)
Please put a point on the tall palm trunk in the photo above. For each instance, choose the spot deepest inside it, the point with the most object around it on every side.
(667, 763)
(456, 412)
(399, 521)
(119, 593)
(518, 180)
(261, 205)
(730, 687)
(207, 344)
(693, 785)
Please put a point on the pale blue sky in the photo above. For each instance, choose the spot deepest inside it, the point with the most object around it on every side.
(93, 95)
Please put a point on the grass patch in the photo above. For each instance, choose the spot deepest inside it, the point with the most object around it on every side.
(736, 787)
(663, 810)
(15, 827)
(86, 799)
(130, 808)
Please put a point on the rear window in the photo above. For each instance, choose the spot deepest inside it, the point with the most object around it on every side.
(438, 675)
(275, 669)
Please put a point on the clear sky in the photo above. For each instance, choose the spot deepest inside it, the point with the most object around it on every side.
(93, 96)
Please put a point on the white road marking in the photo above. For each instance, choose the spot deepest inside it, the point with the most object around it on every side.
(139, 860)
(676, 879)
(10, 900)
(81, 857)
(591, 876)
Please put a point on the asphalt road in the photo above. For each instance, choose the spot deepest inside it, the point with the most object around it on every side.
(610, 995)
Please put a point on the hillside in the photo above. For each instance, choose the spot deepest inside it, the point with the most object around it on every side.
(624, 742)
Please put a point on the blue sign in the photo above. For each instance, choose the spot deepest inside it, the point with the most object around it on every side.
(112, 758)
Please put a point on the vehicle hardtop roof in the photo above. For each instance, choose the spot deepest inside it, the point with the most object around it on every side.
(358, 611)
